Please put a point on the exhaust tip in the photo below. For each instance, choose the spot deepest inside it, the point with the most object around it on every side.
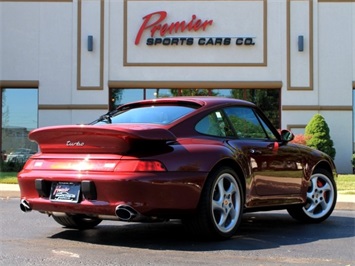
(125, 213)
(25, 206)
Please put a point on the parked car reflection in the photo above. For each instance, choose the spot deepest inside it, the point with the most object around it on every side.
(20, 155)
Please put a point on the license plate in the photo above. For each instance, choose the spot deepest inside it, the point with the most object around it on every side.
(65, 192)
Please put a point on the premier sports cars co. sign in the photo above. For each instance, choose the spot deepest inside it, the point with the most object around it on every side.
(155, 23)
(196, 32)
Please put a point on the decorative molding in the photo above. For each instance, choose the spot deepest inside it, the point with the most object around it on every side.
(72, 106)
(288, 45)
(264, 41)
(79, 17)
(19, 84)
(197, 84)
(290, 126)
(336, 1)
(316, 108)
(40, 1)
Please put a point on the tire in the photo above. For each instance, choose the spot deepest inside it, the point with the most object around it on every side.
(321, 199)
(77, 221)
(221, 207)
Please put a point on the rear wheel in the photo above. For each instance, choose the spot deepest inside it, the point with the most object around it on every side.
(77, 221)
(221, 206)
(321, 199)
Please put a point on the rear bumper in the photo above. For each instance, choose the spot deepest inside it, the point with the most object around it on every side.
(151, 194)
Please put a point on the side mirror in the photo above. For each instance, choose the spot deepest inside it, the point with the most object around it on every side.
(287, 135)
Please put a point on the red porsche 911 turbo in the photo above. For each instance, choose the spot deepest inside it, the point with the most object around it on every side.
(203, 160)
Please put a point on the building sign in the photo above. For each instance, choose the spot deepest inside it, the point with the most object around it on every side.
(195, 33)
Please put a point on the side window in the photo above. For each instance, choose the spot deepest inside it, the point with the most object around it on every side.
(247, 124)
(213, 125)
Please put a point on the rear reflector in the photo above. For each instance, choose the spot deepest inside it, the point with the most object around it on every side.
(78, 165)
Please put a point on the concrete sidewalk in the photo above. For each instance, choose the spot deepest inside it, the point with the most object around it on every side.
(344, 202)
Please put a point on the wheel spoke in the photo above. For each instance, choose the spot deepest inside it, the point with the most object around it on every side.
(314, 184)
(217, 205)
(326, 188)
(312, 207)
(222, 220)
(324, 205)
(221, 189)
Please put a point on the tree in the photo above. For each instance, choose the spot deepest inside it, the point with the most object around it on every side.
(318, 134)
(192, 92)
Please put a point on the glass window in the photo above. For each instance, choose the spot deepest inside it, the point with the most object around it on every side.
(247, 124)
(19, 117)
(267, 100)
(214, 124)
(223, 93)
(123, 96)
(158, 93)
(148, 114)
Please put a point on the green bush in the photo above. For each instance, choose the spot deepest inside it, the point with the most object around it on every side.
(11, 166)
(317, 132)
(353, 162)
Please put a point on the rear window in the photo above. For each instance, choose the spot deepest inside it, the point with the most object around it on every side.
(147, 114)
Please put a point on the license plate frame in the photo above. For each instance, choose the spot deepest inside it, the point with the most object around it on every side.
(65, 192)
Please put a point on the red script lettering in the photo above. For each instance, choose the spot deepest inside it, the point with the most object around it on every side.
(153, 22)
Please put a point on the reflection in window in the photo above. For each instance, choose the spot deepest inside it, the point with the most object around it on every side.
(214, 124)
(158, 93)
(19, 117)
(127, 95)
(267, 99)
(247, 124)
(123, 96)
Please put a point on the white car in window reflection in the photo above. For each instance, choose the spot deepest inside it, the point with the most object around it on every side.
(20, 155)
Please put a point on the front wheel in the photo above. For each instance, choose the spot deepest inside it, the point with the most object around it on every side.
(221, 206)
(77, 221)
(321, 199)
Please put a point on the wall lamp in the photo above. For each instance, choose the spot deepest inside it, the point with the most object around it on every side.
(300, 43)
(90, 43)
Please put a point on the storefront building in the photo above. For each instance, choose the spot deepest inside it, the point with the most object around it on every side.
(69, 61)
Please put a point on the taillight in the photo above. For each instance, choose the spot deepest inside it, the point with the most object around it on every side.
(140, 166)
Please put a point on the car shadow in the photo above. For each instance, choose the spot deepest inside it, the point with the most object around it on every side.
(258, 231)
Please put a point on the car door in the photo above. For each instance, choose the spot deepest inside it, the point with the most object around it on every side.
(276, 166)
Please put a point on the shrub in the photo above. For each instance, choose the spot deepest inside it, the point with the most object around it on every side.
(317, 131)
(353, 162)
(11, 166)
(300, 139)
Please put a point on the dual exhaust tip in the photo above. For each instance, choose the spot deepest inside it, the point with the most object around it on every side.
(124, 212)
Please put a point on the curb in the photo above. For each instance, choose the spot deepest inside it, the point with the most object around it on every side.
(344, 202)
